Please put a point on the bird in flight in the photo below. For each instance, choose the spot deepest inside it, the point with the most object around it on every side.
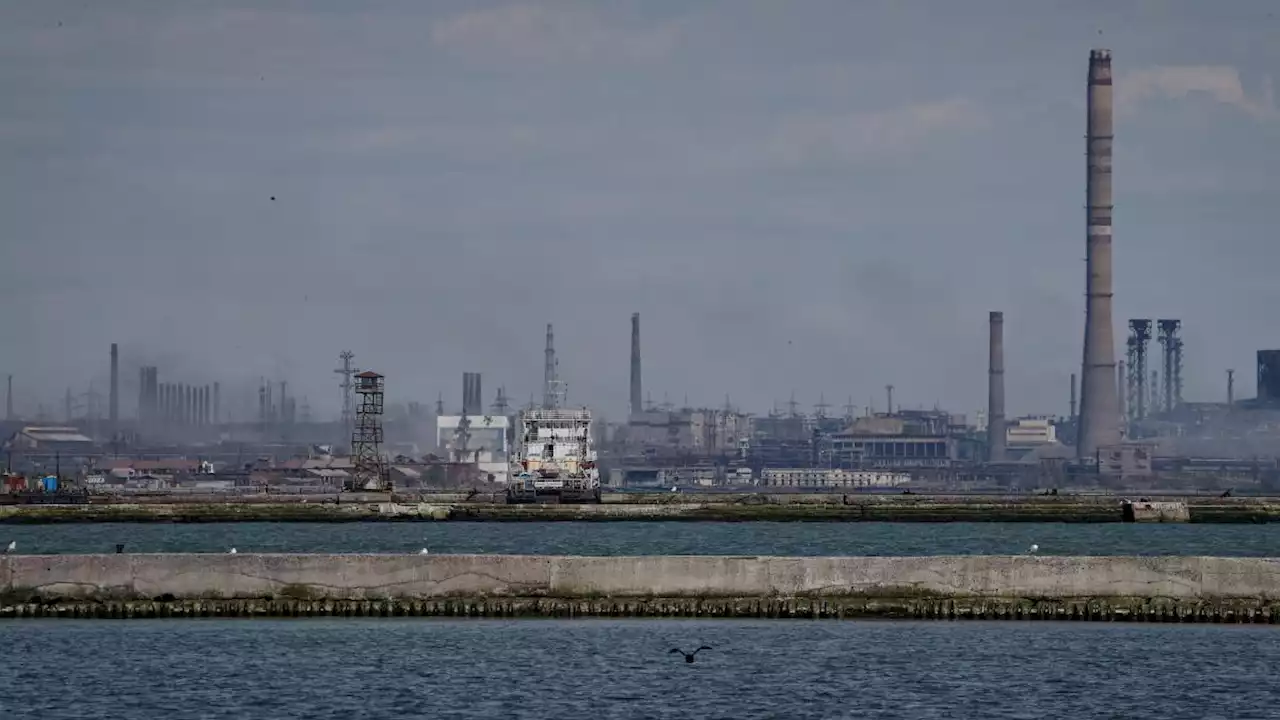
(688, 656)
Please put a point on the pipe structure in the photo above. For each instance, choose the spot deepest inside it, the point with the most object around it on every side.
(1099, 404)
(996, 437)
(637, 394)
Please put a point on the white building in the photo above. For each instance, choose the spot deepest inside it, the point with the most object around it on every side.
(1031, 432)
(832, 478)
(479, 439)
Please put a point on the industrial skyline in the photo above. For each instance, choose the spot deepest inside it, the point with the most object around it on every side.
(825, 228)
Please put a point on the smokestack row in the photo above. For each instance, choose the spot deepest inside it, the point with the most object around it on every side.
(179, 404)
(472, 397)
(148, 396)
(1099, 404)
(636, 390)
(995, 389)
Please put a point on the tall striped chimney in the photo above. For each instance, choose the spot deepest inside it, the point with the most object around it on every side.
(1099, 401)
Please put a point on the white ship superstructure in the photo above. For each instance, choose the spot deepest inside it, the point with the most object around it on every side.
(554, 456)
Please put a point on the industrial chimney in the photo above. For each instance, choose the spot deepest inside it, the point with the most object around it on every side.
(637, 395)
(995, 390)
(549, 372)
(472, 399)
(113, 399)
(1072, 406)
(1099, 404)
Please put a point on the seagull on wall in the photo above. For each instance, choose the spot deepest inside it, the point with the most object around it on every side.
(13, 545)
(232, 551)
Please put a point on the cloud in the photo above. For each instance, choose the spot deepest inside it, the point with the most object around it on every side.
(841, 138)
(537, 32)
(1220, 82)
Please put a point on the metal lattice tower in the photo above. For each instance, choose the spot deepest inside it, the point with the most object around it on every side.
(346, 371)
(1136, 370)
(1172, 346)
(370, 472)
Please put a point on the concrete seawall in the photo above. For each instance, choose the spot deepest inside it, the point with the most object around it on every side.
(1146, 588)
(915, 508)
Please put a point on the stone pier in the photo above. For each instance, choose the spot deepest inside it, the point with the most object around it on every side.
(1179, 589)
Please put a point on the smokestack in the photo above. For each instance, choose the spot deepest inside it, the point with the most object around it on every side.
(1072, 414)
(1231, 387)
(1120, 400)
(549, 371)
(1099, 404)
(472, 399)
(637, 396)
(162, 401)
(113, 399)
(217, 401)
(995, 389)
(888, 390)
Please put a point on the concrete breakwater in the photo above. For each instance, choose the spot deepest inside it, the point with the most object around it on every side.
(830, 508)
(1173, 589)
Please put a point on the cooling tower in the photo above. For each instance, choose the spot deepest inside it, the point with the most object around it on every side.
(1099, 402)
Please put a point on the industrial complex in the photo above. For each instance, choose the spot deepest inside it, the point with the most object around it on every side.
(1128, 426)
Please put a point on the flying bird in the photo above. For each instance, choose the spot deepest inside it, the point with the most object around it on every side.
(688, 656)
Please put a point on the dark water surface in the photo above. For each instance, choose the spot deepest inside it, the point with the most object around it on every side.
(556, 670)
(656, 538)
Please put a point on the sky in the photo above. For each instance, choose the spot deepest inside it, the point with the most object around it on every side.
(818, 197)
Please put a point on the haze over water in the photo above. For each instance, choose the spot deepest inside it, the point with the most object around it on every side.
(558, 670)
(656, 538)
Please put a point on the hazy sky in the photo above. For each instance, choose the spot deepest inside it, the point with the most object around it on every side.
(809, 196)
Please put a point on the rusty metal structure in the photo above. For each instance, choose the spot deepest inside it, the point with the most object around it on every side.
(369, 470)
(1171, 345)
(1136, 380)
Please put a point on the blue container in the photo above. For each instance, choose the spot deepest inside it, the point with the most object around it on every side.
(50, 484)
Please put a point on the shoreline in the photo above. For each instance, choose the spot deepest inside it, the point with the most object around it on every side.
(689, 508)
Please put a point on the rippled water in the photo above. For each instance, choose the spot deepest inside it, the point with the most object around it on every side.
(656, 538)
(554, 670)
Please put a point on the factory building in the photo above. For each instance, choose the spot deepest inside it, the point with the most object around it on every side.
(918, 440)
(479, 439)
(832, 478)
(696, 431)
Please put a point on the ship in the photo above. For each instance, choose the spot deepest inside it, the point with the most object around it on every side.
(554, 458)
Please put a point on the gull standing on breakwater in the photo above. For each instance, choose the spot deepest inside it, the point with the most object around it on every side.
(13, 545)
(232, 551)
(1032, 550)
